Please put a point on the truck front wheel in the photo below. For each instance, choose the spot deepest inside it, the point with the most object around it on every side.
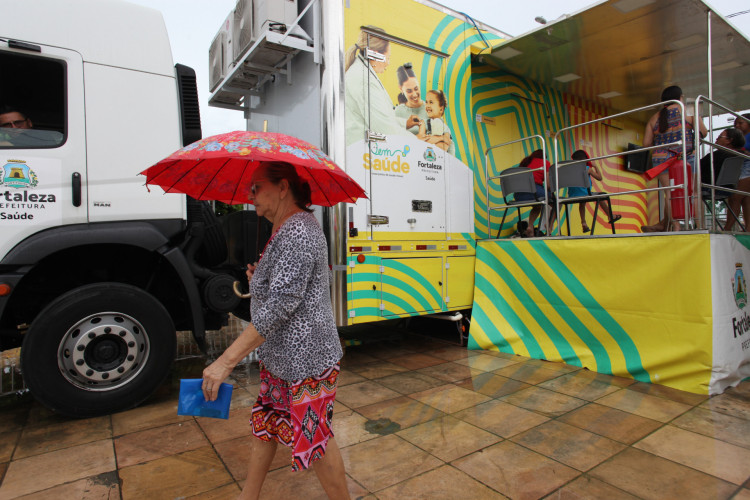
(98, 349)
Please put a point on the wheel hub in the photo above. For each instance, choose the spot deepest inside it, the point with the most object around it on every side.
(103, 351)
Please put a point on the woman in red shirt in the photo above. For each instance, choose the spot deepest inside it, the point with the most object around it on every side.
(534, 161)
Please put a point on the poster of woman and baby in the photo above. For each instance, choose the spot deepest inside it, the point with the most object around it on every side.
(369, 105)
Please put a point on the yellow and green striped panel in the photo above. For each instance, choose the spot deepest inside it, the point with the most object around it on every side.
(380, 288)
(616, 306)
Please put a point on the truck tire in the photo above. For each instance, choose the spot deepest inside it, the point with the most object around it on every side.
(98, 349)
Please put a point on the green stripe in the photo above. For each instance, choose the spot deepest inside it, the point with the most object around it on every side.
(370, 311)
(744, 240)
(523, 333)
(406, 308)
(469, 239)
(566, 351)
(390, 280)
(619, 335)
(479, 317)
(412, 273)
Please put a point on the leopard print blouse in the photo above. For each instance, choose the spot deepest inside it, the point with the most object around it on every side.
(291, 302)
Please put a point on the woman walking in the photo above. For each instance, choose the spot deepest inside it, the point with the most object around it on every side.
(295, 333)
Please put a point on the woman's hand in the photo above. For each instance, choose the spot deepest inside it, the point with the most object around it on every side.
(219, 370)
(250, 271)
(213, 376)
(413, 121)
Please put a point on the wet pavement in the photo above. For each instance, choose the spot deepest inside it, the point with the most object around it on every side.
(415, 417)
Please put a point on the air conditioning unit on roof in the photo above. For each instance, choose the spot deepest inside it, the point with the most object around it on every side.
(220, 60)
(275, 15)
(243, 31)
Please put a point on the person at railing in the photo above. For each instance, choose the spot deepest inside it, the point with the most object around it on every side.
(665, 127)
(534, 161)
(594, 172)
(730, 138)
(736, 202)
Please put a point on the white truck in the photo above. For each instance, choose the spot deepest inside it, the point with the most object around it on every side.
(96, 273)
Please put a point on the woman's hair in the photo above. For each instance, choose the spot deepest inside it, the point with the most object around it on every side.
(403, 73)
(535, 155)
(735, 136)
(672, 93)
(276, 171)
(580, 155)
(364, 41)
(440, 97)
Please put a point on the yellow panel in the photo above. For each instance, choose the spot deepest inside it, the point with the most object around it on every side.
(460, 281)
(412, 285)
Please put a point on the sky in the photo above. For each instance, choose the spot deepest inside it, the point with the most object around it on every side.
(192, 25)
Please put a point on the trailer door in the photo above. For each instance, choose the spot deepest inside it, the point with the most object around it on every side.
(411, 286)
(406, 166)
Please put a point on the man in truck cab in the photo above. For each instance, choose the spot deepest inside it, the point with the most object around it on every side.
(16, 131)
(11, 117)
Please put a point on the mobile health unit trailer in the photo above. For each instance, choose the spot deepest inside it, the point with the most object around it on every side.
(338, 78)
(426, 240)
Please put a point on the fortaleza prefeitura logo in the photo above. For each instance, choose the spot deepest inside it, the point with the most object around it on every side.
(739, 286)
(429, 155)
(16, 174)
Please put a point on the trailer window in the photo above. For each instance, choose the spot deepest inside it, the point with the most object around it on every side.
(32, 101)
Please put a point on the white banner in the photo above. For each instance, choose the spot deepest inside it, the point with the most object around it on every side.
(730, 266)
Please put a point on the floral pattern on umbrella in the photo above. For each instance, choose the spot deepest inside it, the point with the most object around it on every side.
(220, 168)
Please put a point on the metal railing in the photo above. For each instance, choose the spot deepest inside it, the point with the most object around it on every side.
(681, 142)
(488, 178)
(708, 142)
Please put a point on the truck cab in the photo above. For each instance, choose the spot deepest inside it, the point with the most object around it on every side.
(96, 272)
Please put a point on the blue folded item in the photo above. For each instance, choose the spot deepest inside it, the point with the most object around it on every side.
(193, 403)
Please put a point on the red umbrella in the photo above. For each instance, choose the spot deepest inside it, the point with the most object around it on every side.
(220, 168)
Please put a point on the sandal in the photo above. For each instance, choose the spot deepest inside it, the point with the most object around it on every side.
(585, 228)
(615, 219)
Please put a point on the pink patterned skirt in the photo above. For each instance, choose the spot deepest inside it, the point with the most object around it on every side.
(297, 414)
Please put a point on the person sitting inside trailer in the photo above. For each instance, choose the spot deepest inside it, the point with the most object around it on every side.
(593, 171)
(738, 201)
(735, 139)
(534, 161)
(730, 138)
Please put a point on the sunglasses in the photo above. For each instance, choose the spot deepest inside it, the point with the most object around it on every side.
(14, 124)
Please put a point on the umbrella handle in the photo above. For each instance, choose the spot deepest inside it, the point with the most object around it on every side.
(238, 292)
